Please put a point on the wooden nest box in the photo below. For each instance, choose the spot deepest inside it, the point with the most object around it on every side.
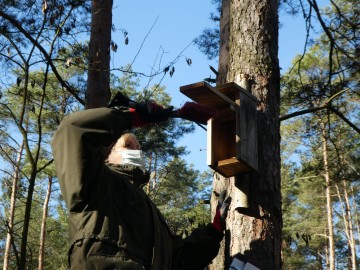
(232, 134)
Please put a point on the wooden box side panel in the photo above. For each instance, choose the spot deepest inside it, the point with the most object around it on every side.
(246, 137)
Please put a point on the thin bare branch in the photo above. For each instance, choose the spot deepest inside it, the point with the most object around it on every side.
(15, 23)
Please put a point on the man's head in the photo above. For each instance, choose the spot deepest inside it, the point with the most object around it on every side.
(127, 141)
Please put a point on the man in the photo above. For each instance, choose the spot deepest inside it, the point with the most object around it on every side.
(113, 224)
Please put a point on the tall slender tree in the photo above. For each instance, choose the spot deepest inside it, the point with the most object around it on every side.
(329, 203)
(11, 216)
(43, 225)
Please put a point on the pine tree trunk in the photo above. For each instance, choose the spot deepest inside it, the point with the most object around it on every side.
(356, 219)
(26, 224)
(326, 251)
(98, 83)
(43, 225)
(248, 57)
(319, 259)
(10, 224)
(350, 228)
(346, 223)
(347, 213)
(330, 226)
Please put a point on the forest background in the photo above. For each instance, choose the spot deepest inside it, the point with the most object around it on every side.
(146, 42)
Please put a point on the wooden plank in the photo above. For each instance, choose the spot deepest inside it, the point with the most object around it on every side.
(226, 115)
(209, 147)
(204, 94)
(229, 89)
(230, 167)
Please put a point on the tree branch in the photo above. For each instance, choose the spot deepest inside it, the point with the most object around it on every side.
(326, 105)
(291, 115)
(347, 121)
(15, 23)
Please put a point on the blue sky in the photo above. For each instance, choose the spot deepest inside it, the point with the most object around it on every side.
(174, 24)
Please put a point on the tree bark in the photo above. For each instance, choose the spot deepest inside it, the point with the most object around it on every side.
(98, 83)
(224, 42)
(249, 41)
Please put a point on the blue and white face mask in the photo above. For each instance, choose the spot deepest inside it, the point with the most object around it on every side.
(132, 157)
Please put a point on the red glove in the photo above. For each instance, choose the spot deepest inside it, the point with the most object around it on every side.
(222, 209)
(217, 221)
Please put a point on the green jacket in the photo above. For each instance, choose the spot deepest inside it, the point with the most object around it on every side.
(112, 222)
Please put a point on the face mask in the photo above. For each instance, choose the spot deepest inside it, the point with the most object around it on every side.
(132, 157)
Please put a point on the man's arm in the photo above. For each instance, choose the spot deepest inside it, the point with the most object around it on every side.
(77, 145)
(198, 249)
(202, 246)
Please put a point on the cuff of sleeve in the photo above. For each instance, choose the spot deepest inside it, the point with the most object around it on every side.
(126, 122)
(218, 234)
(137, 121)
(217, 227)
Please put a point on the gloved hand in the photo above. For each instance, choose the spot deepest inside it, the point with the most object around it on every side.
(142, 113)
(149, 112)
(222, 209)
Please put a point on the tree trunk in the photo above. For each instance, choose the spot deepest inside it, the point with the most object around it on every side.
(10, 224)
(249, 44)
(346, 224)
(350, 227)
(330, 226)
(43, 226)
(98, 83)
(356, 219)
(347, 213)
(224, 42)
(319, 259)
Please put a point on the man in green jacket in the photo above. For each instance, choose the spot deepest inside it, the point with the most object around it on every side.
(113, 224)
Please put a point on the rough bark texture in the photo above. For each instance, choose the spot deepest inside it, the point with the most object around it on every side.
(98, 84)
(224, 42)
(254, 221)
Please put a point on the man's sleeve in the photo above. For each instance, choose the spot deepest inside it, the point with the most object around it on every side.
(198, 249)
(77, 149)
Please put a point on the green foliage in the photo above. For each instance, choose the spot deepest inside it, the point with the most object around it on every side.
(56, 231)
(303, 217)
(33, 102)
(56, 244)
(322, 81)
(44, 106)
(209, 40)
(310, 86)
(178, 192)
